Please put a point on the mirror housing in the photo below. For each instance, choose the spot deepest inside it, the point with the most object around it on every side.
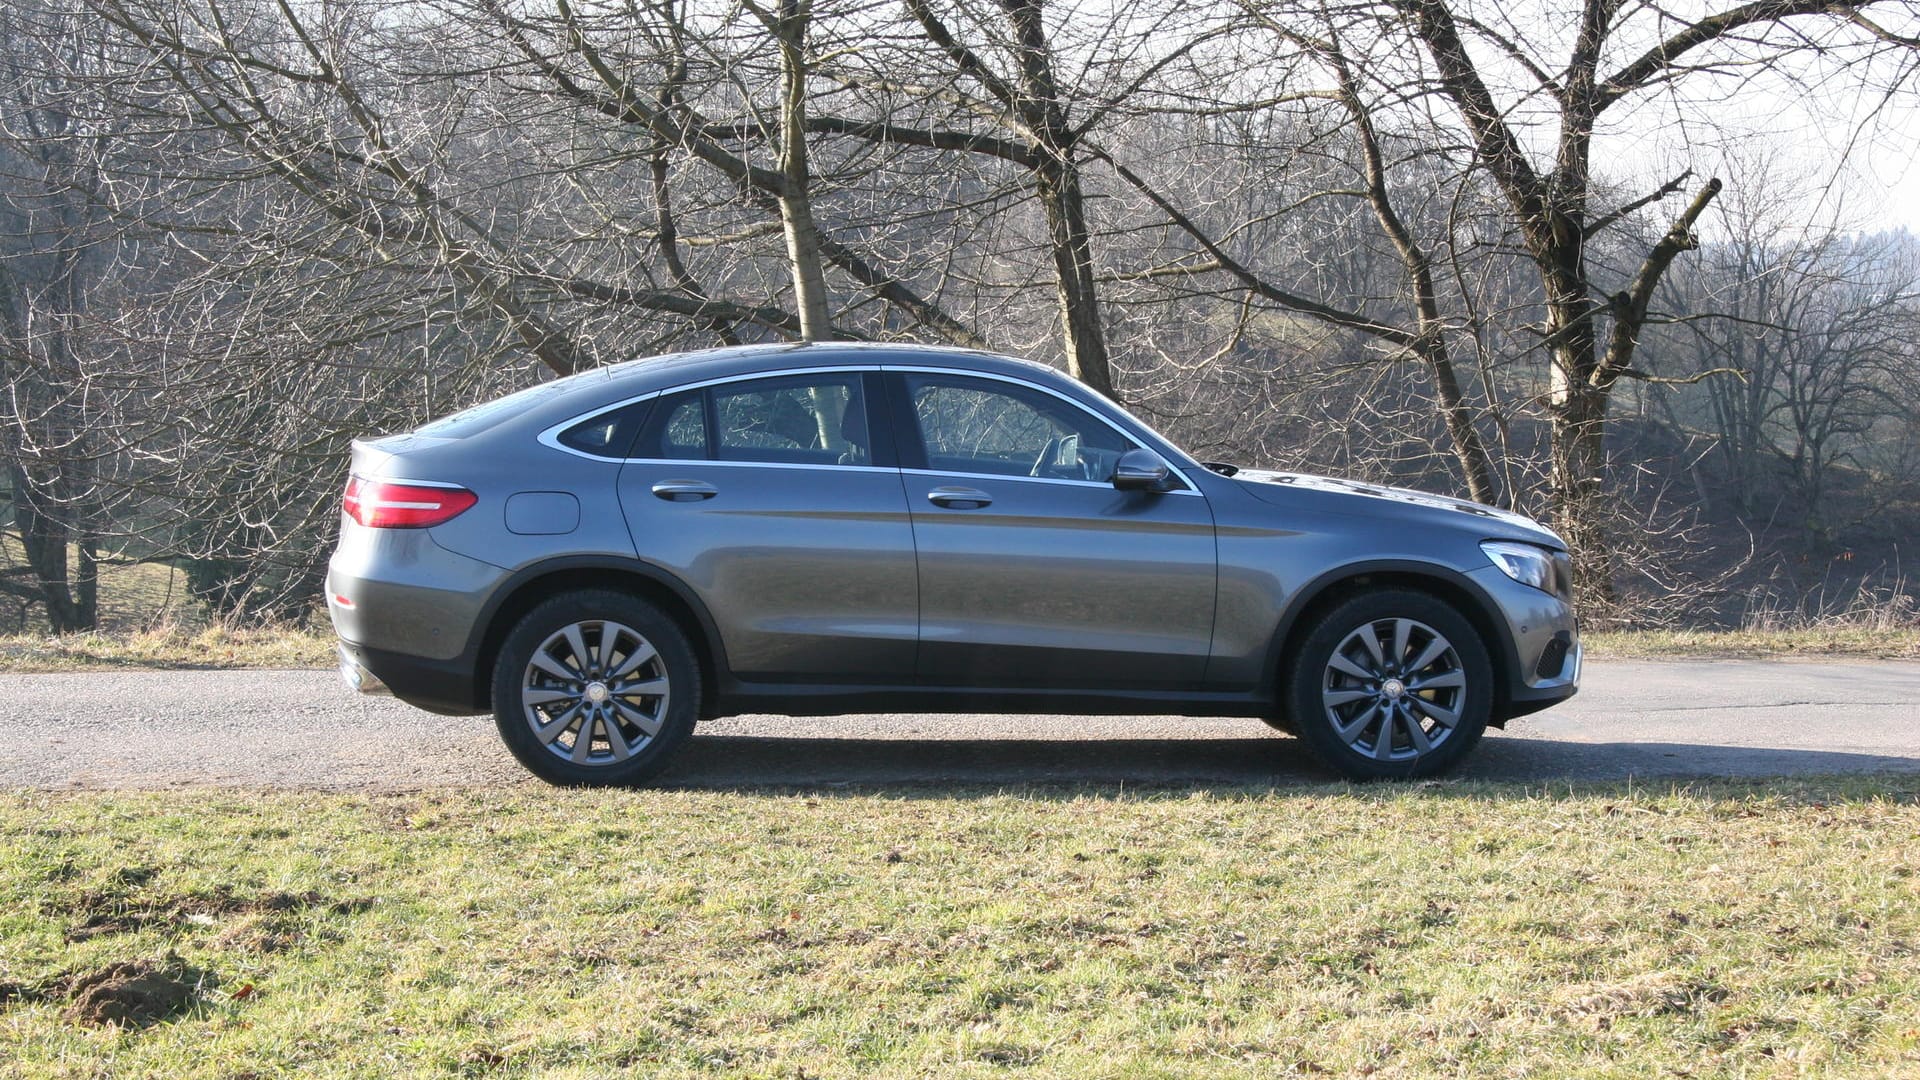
(1141, 470)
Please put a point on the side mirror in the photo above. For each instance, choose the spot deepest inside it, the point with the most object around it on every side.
(1140, 470)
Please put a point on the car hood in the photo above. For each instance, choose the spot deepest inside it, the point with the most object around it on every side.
(1267, 485)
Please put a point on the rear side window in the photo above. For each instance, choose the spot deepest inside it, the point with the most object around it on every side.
(610, 434)
(791, 420)
(801, 420)
(676, 430)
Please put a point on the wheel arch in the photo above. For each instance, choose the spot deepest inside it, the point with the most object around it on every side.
(1456, 589)
(533, 584)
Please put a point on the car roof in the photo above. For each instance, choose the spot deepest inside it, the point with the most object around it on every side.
(633, 378)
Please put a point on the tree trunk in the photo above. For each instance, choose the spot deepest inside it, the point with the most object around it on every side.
(1057, 181)
(1059, 187)
(796, 202)
(1577, 418)
(44, 536)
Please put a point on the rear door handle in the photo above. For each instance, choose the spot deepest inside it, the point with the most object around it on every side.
(959, 498)
(685, 490)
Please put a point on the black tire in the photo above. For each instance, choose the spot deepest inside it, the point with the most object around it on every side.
(1315, 687)
(614, 720)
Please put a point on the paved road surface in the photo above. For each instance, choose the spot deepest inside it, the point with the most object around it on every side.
(302, 729)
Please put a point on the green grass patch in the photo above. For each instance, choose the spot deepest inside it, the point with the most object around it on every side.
(1457, 929)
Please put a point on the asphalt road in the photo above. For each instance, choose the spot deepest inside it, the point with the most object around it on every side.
(302, 729)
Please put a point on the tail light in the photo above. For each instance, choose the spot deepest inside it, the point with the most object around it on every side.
(384, 504)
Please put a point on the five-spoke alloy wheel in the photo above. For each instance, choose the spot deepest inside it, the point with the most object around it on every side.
(595, 687)
(1390, 683)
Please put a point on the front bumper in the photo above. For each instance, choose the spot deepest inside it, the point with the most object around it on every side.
(1547, 655)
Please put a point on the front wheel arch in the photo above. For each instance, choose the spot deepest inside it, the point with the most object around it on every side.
(1368, 712)
(1313, 601)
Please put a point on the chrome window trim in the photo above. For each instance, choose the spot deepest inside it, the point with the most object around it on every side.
(550, 437)
(1101, 484)
(703, 462)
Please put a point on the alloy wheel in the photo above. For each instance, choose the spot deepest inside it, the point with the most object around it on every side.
(595, 692)
(1394, 690)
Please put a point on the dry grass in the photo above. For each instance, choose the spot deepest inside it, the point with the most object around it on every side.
(1813, 642)
(292, 647)
(1390, 931)
(171, 647)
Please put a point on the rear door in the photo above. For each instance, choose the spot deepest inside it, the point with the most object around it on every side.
(769, 497)
(1034, 571)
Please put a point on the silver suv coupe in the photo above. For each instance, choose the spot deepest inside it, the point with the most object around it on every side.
(604, 559)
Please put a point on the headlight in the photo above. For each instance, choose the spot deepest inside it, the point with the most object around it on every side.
(1524, 563)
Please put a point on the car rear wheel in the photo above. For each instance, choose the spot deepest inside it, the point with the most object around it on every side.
(1390, 683)
(595, 688)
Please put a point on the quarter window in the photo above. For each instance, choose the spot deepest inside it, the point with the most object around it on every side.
(609, 434)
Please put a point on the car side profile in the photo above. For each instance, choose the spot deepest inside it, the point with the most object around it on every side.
(602, 560)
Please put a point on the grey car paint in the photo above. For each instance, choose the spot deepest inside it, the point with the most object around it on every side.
(803, 580)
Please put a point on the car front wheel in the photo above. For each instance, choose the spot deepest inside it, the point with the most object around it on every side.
(1390, 683)
(595, 688)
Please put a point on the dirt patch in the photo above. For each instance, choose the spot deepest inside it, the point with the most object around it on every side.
(116, 913)
(1649, 995)
(134, 993)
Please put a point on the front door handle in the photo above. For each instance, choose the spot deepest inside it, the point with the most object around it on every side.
(959, 498)
(685, 490)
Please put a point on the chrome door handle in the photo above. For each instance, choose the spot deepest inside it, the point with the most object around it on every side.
(959, 498)
(685, 490)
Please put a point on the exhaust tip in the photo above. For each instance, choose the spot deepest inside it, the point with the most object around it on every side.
(359, 678)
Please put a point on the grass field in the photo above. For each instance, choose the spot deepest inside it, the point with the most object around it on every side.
(1415, 931)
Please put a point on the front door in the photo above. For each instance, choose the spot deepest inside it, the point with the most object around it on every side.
(1034, 571)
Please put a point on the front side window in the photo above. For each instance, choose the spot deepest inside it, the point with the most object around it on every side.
(1001, 429)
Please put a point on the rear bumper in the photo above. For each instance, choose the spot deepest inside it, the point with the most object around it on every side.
(448, 687)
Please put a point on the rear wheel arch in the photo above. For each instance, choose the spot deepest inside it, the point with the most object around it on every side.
(1340, 585)
(540, 582)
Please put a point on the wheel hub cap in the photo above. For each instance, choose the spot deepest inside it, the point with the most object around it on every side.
(597, 692)
(1393, 688)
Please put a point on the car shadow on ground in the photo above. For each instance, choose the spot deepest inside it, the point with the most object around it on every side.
(737, 761)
